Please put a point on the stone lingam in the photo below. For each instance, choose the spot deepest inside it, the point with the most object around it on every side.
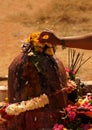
(36, 88)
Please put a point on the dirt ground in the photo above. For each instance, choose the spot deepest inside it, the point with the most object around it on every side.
(19, 18)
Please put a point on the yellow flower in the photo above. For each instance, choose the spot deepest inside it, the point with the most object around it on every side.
(33, 39)
(35, 35)
(49, 51)
(27, 40)
(45, 37)
(35, 42)
(38, 46)
(82, 101)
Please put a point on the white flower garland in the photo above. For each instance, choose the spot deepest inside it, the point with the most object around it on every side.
(32, 104)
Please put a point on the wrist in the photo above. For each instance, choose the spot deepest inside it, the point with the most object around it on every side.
(63, 43)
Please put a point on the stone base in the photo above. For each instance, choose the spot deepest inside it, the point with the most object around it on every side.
(32, 120)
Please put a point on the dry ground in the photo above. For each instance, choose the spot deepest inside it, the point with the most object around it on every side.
(19, 18)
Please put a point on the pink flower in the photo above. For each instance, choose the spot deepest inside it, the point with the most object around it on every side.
(67, 70)
(71, 108)
(71, 115)
(68, 109)
(58, 127)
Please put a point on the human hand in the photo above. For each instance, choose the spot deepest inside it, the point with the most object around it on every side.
(49, 37)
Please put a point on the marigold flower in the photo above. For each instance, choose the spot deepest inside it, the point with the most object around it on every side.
(45, 37)
(46, 48)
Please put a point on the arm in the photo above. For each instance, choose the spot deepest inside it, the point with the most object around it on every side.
(81, 42)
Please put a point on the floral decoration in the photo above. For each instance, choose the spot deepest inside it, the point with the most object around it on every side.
(32, 44)
(76, 116)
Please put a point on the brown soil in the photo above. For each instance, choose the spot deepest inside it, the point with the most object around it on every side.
(19, 18)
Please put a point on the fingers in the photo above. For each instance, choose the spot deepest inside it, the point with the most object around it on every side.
(46, 36)
(42, 39)
(50, 37)
(47, 32)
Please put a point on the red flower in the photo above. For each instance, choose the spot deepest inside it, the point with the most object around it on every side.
(58, 127)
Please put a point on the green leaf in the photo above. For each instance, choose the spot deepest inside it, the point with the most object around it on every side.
(90, 101)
